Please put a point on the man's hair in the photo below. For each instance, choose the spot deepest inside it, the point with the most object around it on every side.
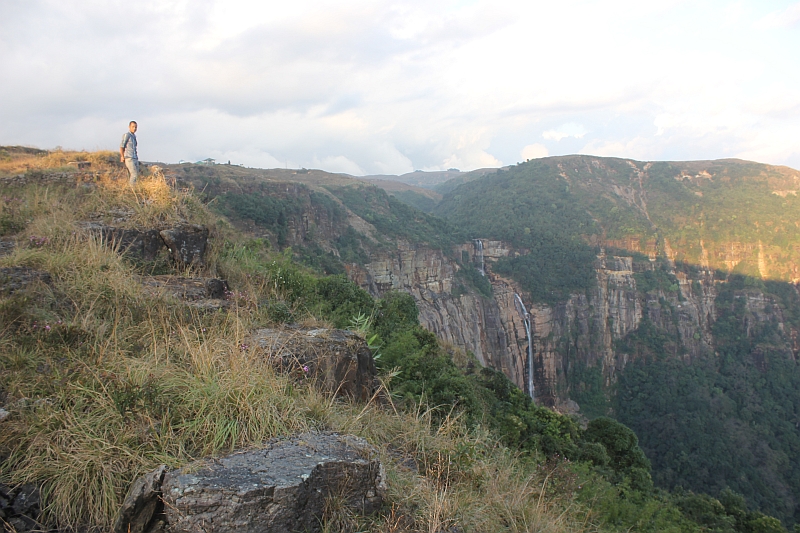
(132, 122)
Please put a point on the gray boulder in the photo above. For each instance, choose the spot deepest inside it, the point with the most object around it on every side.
(142, 504)
(7, 246)
(189, 289)
(339, 360)
(282, 488)
(20, 508)
(187, 244)
(140, 244)
(143, 244)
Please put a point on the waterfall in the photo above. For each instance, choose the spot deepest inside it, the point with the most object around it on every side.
(526, 318)
(478, 244)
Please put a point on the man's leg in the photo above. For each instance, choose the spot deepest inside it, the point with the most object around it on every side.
(133, 169)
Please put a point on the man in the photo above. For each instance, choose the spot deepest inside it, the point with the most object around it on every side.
(127, 152)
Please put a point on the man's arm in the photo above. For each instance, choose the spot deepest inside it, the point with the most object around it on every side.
(125, 139)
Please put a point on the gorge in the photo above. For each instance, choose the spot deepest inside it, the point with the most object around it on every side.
(633, 275)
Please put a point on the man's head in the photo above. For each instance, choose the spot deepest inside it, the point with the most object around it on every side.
(132, 126)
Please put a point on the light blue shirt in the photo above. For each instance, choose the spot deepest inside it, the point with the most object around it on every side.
(129, 145)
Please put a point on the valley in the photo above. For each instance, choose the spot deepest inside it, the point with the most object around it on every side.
(626, 268)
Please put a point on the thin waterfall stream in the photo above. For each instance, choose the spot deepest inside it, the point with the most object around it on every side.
(478, 244)
(526, 318)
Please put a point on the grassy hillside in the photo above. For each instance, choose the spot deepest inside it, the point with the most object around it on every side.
(104, 380)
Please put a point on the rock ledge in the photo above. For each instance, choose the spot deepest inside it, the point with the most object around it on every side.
(281, 488)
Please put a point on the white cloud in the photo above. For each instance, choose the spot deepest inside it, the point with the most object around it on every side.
(636, 148)
(375, 87)
(782, 18)
(338, 163)
(566, 130)
(533, 151)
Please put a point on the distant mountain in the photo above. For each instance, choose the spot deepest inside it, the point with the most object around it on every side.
(421, 198)
(432, 179)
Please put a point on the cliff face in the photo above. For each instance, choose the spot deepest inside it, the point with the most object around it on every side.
(597, 330)
(583, 330)
(469, 321)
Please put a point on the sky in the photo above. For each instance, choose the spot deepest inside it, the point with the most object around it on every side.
(372, 87)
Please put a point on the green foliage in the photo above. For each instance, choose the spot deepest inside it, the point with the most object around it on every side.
(587, 388)
(552, 270)
(473, 278)
(658, 279)
(426, 374)
(395, 312)
(266, 211)
(424, 203)
(350, 247)
(727, 420)
(340, 299)
(312, 255)
(529, 206)
(502, 205)
(625, 458)
(393, 218)
(350, 250)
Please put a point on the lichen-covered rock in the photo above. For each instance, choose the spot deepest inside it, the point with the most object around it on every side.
(339, 360)
(282, 488)
(13, 279)
(141, 504)
(187, 244)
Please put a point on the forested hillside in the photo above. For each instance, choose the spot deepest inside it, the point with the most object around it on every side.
(724, 215)
(717, 409)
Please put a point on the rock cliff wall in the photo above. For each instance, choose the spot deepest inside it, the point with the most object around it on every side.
(583, 330)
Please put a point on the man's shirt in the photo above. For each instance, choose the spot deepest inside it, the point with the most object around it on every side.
(129, 145)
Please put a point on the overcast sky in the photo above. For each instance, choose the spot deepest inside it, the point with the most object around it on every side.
(368, 87)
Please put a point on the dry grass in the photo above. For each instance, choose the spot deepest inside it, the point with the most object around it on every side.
(121, 381)
(18, 160)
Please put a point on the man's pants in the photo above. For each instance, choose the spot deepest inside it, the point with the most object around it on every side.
(133, 169)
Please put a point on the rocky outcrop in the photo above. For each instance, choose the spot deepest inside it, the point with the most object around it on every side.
(20, 508)
(7, 246)
(187, 244)
(142, 505)
(205, 293)
(140, 244)
(288, 486)
(339, 361)
(13, 279)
